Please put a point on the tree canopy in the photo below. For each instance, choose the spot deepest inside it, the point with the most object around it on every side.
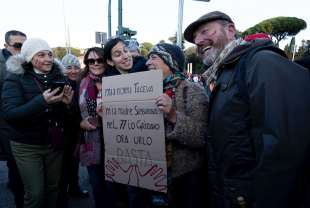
(278, 27)
(60, 52)
(145, 48)
(173, 40)
(304, 49)
(192, 57)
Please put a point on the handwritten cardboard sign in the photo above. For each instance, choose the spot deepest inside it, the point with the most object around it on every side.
(133, 129)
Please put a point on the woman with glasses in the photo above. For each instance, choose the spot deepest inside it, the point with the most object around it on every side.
(91, 148)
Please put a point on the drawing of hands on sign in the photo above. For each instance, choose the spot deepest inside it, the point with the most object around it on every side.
(114, 171)
(155, 174)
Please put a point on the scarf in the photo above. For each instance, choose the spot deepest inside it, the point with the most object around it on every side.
(88, 93)
(171, 82)
(88, 104)
(211, 74)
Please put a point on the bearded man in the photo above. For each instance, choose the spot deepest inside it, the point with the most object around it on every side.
(258, 122)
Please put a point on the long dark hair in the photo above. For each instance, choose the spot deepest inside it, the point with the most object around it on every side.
(108, 48)
(98, 51)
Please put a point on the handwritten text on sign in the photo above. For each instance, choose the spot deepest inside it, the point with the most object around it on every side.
(134, 130)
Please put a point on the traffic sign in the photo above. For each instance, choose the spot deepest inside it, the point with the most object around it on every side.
(101, 37)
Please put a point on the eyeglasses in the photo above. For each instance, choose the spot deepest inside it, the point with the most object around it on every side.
(16, 45)
(93, 61)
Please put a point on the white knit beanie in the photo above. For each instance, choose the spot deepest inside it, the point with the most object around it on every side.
(70, 60)
(32, 46)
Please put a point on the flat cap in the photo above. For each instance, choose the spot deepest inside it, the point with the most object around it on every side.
(211, 16)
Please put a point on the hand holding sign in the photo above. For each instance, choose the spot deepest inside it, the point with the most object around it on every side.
(164, 103)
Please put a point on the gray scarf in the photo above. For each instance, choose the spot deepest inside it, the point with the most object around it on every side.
(210, 75)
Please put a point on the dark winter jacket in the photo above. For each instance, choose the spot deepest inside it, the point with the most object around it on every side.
(304, 61)
(258, 130)
(138, 66)
(5, 130)
(24, 107)
(3, 73)
(73, 118)
(2, 69)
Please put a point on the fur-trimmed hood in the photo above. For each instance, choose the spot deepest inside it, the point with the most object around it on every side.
(14, 64)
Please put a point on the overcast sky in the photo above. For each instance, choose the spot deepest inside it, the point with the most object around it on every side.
(154, 20)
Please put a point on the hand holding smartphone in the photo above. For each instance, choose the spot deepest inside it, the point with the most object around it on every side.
(93, 120)
(61, 84)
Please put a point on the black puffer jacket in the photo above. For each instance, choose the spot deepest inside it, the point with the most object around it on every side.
(24, 107)
(5, 130)
(258, 132)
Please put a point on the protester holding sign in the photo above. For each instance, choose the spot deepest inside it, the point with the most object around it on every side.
(119, 61)
(185, 107)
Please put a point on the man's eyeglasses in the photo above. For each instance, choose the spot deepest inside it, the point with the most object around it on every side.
(16, 45)
(93, 61)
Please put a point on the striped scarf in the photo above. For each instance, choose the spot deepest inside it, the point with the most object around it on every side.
(211, 74)
(171, 82)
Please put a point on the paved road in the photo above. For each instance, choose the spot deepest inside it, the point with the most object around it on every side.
(6, 198)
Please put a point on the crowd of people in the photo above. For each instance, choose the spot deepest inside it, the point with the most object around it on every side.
(240, 139)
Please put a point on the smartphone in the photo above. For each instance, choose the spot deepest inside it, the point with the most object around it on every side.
(55, 84)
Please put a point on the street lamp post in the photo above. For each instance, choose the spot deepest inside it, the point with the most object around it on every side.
(180, 21)
(120, 17)
(123, 32)
(109, 20)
